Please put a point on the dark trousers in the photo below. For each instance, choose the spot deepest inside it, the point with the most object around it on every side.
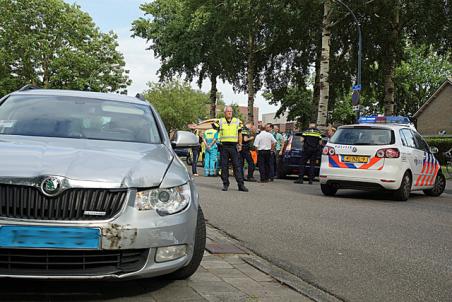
(263, 159)
(274, 157)
(311, 155)
(230, 152)
(246, 156)
(194, 164)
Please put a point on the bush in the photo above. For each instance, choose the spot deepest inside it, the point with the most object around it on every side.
(442, 143)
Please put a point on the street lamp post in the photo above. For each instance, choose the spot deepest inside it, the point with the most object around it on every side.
(357, 87)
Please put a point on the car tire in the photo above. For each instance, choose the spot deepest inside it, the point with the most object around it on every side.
(403, 192)
(198, 250)
(438, 187)
(188, 160)
(328, 190)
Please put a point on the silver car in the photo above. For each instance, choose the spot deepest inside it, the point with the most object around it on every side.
(90, 187)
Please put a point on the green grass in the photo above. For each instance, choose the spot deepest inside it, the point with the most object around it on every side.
(448, 175)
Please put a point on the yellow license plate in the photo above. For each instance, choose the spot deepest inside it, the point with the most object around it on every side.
(355, 159)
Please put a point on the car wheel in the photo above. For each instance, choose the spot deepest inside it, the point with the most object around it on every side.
(403, 193)
(439, 186)
(328, 190)
(188, 160)
(198, 250)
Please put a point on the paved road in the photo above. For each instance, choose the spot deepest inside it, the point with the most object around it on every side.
(357, 245)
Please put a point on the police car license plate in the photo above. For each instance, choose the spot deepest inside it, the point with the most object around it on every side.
(355, 159)
(49, 237)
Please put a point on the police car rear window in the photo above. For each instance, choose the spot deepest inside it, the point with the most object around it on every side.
(363, 136)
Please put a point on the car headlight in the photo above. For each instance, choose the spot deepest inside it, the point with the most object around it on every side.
(164, 201)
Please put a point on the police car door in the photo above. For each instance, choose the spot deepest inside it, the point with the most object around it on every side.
(413, 155)
(430, 165)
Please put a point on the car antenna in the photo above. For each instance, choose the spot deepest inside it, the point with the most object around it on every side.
(28, 87)
(140, 97)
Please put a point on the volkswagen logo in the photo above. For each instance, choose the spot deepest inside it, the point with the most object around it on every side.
(354, 149)
(51, 186)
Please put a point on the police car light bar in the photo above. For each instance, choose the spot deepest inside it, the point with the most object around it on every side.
(374, 119)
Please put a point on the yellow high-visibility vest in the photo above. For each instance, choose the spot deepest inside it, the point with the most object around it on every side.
(229, 132)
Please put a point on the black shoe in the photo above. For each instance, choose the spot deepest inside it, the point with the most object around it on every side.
(310, 182)
(243, 189)
(251, 179)
(271, 179)
(225, 188)
(299, 181)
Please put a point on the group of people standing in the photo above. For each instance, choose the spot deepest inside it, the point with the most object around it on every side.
(229, 142)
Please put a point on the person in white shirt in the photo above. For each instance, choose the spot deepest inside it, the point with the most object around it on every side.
(264, 143)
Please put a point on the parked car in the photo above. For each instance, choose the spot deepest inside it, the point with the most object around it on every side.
(290, 161)
(380, 155)
(90, 188)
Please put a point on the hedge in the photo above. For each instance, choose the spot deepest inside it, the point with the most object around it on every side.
(442, 143)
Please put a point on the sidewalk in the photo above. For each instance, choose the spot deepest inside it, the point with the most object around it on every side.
(227, 277)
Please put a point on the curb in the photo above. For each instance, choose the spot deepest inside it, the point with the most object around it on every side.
(301, 286)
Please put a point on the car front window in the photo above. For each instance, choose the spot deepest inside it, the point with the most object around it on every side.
(77, 117)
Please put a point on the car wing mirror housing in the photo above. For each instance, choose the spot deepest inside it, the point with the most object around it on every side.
(434, 150)
(184, 139)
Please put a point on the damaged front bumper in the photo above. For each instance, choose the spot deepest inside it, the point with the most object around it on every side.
(127, 246)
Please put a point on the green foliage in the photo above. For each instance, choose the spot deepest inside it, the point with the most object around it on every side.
(343, 112)
(419, 74)
(296, 100)
(442, 143)
(53, 44)
(177, 103)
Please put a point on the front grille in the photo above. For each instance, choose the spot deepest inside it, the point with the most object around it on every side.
(70, 262)
(25, 202)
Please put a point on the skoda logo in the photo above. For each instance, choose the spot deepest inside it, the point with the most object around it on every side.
(51, 186)
(354, 149)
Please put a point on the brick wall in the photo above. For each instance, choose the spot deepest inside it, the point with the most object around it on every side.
(437, 115)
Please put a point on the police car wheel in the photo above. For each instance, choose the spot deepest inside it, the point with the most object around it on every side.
(439, 186)
(403, 193)
(328, 190)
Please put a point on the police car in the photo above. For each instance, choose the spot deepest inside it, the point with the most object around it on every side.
(380, 153)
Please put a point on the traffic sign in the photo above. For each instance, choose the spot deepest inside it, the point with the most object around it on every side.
(356, 87)
(355, 98)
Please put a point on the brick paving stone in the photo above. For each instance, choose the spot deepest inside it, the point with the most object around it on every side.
(176, 292)
(209, 287)
(227, 297)
(233, 259)
(215, 264)
(204, 276)
(227, 273)
(253, 273)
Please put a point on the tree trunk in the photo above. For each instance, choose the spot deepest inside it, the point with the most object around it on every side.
(250, 78)
(322, 112)
(46, 75)
(389, 66)
(213, 97)
(316, 93)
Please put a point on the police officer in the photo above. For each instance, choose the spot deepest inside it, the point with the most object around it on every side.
(231, 144)
(311, 146)
(247, 138)
(210, 139)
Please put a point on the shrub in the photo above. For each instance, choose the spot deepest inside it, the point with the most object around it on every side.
(442, 143)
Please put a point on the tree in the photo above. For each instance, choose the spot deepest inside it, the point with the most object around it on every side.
(53, 44)
(420, 73)
(177, 103)
(189, 37)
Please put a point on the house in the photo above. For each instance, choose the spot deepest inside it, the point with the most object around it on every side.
(281, 121)
(435, 116)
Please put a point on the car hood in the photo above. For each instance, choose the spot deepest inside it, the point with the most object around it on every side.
(123, 164)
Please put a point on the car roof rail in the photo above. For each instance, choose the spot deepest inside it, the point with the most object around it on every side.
(140, 97)
(28, 87)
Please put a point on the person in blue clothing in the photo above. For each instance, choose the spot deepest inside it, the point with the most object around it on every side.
(210, 139)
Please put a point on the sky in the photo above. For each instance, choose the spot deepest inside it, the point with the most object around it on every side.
(117, 16)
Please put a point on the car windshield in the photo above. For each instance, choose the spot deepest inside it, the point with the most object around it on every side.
(363, 136)
(76, 117)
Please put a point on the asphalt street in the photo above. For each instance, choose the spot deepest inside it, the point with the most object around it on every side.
(358, 246)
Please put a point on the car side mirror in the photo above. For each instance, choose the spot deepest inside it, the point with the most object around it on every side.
(434, 150)
(184, 139)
